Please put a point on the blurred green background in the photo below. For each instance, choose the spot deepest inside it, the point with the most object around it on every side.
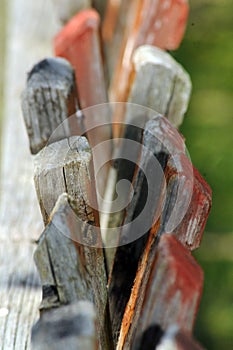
(207, 54)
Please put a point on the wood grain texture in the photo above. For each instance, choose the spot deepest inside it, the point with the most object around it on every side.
(172, 294)
(70, 327)
(30, 28)
(48, 100)
(20, 293)
(79, 42)
(159, 140)
(166, 85)
(66, 166)
(70, 268)
(188, 203)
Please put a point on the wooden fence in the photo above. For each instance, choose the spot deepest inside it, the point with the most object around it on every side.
(140, 293)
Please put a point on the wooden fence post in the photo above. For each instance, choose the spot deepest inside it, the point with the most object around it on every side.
(49, 98)
(71, 264)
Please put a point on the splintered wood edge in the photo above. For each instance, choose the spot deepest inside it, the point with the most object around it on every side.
(67, 166)
(48, 100)
(177, 101)
(66, 265)
(158, 137)
(68, 327)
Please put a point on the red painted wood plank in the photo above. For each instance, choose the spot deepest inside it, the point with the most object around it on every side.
(171, 293)
(79, 43)
(187, 221)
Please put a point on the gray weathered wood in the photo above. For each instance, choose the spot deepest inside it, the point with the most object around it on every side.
(20, 293)
(87, 61)
(66, 166)
(69, 268)
(166, 85)
(48, 100)
(171, 293)
(65, 9)
(70, 327)
(30, 28)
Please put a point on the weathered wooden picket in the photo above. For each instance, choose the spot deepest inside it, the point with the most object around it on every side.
(137, 293)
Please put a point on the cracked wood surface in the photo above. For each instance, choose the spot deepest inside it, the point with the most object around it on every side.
(30, 31)
(70, 268)
(166, 85)
(67, 166)
(49, 98)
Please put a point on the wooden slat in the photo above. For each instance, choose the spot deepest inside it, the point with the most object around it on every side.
(67, 166)
(29, 34)
(166, 85)
(71, 264)
(69, 327)
(172, 294)
(160, 140)
(188, 203)
(48, 100)
(154, 22)
(79, 43)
